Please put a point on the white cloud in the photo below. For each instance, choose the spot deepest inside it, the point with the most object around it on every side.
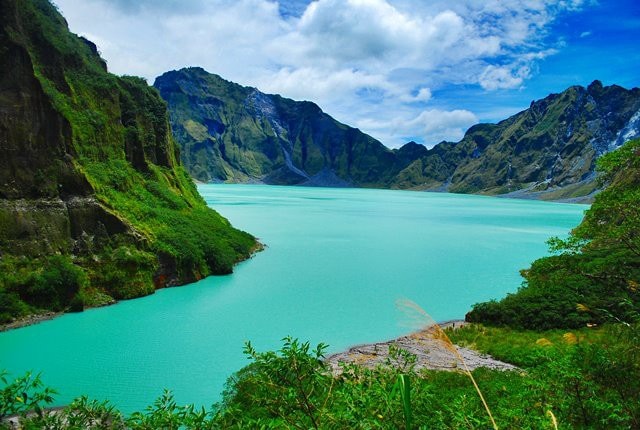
(585, 34)
(363, 61)
(312, 84)
(436, 125)
(431, 126)
(495, 78)
(423, 95)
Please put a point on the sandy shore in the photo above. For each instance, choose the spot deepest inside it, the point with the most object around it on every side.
(430, 352)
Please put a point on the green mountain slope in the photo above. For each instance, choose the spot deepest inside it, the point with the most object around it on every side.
(594, 275)
(236, 134)
(232, 133)
(94, 203)
(549, 148)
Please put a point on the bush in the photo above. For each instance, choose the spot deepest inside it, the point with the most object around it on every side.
(125, 272)
(46, 283)
(10, 306)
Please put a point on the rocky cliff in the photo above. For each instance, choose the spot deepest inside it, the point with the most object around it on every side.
(548, 150)
(232, 133)
(94, 203)
(237, 134)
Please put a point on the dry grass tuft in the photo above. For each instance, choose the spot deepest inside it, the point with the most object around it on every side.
(553, 419)
(418, 318)
(582, 308)
(570, 338)
(543, 341)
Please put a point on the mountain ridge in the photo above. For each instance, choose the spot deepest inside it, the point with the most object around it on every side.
(545, 151)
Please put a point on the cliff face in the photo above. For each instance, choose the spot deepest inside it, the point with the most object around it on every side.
(89, 171)
(232, 133)
(236, 134)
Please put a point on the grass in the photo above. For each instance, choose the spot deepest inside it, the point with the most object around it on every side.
(523, 348)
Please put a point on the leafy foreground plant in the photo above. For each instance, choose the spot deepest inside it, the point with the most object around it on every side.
(582, 379)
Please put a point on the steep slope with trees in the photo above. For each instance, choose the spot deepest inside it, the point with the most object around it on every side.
(595, 273)
(94, 203)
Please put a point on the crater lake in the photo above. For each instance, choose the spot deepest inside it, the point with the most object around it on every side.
(335, 262)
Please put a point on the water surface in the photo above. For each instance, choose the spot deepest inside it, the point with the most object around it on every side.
(335, 263)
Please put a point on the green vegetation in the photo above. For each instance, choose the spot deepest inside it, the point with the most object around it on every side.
(103, 210)
(54, 283)
(97, 205)
(572, 376)
(595, 273)
(585, 379)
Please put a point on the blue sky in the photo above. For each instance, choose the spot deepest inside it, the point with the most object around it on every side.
(399, 70)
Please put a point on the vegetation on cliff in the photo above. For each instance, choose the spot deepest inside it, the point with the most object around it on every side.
(574, 376)
(94, 203)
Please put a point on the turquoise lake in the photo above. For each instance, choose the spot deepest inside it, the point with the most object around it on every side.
(335, 263)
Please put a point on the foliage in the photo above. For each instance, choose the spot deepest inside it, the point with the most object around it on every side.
(585, 379)
(595, 273)
(125, 272)
(291, 387)
(51, 283)
(23, 394)
(404, 386)
(166, 414)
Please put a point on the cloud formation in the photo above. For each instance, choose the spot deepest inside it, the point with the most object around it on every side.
(363, 61)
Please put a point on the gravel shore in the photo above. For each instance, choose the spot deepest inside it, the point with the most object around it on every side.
(431, 353)
(29, 320)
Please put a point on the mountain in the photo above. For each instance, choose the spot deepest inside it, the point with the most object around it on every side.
(548, 150)
(94, 203)
(232, 133)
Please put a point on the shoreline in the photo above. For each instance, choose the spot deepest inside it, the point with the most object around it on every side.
(431, 353)
(37, 318)
(28, 320)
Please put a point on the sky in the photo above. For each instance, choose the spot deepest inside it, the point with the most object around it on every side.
(399, 70)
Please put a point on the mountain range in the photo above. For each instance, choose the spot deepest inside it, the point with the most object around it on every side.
(231, 133)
